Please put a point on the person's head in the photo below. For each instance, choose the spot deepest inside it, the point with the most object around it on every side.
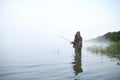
(78, 33)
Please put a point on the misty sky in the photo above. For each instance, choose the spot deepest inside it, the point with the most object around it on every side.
(37, 20)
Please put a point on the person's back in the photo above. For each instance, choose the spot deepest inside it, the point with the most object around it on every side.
(77, 41)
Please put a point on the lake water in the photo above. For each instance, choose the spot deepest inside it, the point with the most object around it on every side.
(33, 62)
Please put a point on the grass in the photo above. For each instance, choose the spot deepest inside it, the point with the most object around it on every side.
(112, 49)
(95, 49)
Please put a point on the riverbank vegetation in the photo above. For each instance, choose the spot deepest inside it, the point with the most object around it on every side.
(113, 48)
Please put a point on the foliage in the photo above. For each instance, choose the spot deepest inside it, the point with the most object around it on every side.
(112, 36)
(113, 48)
(95, 49)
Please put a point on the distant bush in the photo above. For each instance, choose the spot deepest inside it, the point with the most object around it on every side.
(112, 36)
(95, 49)
(113, 48)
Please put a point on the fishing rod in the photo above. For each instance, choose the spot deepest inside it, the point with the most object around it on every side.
(64, 38)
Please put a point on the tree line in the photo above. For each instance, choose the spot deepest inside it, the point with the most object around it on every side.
(112, 36)
(112, 49)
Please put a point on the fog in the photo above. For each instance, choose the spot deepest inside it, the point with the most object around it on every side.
(35, 38)
(37, 23)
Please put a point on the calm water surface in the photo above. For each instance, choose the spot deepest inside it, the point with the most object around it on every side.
(57, 63)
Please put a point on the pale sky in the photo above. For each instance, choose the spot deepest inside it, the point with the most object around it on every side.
(30, 19)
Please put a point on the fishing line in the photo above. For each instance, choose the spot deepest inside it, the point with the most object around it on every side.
(64, 38)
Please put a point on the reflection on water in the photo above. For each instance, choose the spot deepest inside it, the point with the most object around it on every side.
(77, 62)
(36, 63)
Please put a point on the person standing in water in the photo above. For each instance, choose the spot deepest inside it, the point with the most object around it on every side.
(77, 43)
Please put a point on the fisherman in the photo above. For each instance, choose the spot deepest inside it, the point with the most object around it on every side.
(77, 43)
